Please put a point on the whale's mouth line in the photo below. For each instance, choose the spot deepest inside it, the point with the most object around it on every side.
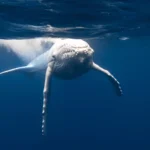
(77, 47)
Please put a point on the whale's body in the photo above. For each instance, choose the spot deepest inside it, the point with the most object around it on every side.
(37, 64)
(67, 59)
(69, 63)
(40, 62)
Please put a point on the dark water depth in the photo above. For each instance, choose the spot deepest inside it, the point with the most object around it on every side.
(85, 113)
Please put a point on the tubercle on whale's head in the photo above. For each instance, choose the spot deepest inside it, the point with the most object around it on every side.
(72, 49)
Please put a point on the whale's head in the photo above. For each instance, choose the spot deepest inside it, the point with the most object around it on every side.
(83, 52)
(72, 57)
(72, 50)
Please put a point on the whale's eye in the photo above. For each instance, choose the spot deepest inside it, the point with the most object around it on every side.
(53, 56)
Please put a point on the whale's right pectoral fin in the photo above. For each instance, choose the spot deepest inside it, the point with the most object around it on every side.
(46, 95)
(111, 78)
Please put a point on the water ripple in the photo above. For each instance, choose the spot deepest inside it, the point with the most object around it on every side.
(71, 18)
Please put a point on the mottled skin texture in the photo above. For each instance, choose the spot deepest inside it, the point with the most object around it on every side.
(67, 59)
(72, 58)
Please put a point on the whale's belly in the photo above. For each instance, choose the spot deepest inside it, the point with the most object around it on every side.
(40, 62)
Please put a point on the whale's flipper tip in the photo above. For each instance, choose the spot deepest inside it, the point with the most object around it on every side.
(46, 95)
(18, 69)
(111, 78)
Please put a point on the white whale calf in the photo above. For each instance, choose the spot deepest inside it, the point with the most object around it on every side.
(66, 59)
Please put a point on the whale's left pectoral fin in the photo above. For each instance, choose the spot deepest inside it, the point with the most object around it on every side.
(46, 95)
(112, 79)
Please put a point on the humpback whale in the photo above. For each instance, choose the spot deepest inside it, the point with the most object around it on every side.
(66, 59)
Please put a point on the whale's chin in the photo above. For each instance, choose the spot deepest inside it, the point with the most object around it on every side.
(66, 75)
(71, 70)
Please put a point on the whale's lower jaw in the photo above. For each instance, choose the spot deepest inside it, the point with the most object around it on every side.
(69, 75)
(70, 71)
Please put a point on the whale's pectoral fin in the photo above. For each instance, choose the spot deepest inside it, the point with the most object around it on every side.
(46, 95)
(112, 79)
(18, 69)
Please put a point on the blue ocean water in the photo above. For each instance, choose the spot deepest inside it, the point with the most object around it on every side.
(84, 113)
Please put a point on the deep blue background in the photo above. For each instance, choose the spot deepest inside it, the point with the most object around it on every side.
(84, 113)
